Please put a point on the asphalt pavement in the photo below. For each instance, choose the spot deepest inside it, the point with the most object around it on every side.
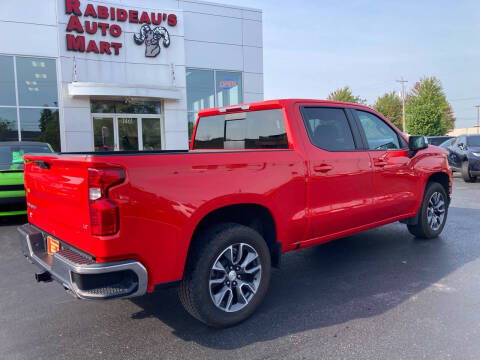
(381, 294)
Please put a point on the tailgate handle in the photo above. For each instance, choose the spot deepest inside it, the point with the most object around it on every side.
(42, 164)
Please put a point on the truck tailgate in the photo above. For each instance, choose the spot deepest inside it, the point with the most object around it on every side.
(57, 197)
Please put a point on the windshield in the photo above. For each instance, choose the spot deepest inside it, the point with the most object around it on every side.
(11, 155)
(446, 143)
(473, 140)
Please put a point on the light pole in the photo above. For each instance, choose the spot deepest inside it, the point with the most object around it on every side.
(478, 118)
(404, 124)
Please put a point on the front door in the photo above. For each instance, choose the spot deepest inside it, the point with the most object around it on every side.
(340, 174)
(394, 182)
(457, 152)
(113, 132)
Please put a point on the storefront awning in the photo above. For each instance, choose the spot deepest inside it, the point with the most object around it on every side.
(122, 90)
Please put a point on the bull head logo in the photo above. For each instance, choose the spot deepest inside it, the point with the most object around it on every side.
(151, 38)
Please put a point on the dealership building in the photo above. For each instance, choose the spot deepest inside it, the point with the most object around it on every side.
(124, 74)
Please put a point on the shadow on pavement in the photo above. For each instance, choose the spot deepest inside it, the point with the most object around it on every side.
(356, 277)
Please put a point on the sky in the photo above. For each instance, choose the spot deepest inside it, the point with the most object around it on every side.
(314, 47)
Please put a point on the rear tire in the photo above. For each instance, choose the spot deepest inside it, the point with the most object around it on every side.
(433, 213)
(466, 173)
(226, 276)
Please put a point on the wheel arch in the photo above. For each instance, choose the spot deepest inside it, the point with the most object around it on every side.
(439, 177)
(443, 179)
(254, 215)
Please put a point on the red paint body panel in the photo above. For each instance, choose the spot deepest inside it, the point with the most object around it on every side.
(166, 195)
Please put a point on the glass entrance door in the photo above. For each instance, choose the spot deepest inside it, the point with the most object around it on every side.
(127, 133)
(122, 132)
(103, 134)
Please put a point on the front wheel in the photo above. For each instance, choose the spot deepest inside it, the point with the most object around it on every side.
(227, 275)
(467, 177)
(433, 213)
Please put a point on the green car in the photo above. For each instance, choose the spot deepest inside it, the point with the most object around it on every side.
(12, 192)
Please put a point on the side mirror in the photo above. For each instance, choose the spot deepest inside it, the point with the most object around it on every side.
(416, 143)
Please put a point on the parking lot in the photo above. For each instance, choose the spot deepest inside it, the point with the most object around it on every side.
(380, 294)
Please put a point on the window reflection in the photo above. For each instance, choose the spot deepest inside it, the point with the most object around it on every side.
(151, 133)
(200, 94)
(37, 89)
(203, 91)
(37, 82)
(229, 88)
(121, 107)
(103, 134)
(40, 125)
(7, 81)
(8, 124)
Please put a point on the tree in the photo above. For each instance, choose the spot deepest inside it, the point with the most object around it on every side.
(428, 111)
(390, 106)
(49, 128)
(345, 95)
(449, 119)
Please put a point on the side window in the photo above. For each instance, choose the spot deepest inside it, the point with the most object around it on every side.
(379, 135)
(251, 130)
(328, 128)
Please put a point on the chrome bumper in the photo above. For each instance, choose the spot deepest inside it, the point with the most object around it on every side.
(85, 278)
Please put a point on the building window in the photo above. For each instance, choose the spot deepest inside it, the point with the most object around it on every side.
(211, 88)
(8, 124)
(127, 125)
(29, 100)
(122, 107)
(7, 81)
(228, 88)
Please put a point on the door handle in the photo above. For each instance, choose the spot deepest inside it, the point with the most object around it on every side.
(322, 168)
(379, 162)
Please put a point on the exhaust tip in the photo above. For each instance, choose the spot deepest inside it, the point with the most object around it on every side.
(43, 277)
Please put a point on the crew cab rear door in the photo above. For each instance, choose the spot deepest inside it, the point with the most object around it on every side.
(395, 185)
(340, 173)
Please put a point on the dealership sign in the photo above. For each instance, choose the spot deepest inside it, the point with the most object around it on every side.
(92, 21)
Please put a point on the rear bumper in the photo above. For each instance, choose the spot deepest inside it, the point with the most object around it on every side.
(84, 277)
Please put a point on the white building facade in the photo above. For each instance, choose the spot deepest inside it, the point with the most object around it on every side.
(124, 74)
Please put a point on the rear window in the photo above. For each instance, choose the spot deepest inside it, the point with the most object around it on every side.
(263, 129)
(11, 155)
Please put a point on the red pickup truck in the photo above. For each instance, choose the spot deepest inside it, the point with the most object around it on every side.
(259, 180)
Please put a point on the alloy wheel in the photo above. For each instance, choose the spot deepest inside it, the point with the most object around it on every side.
(436, 211)
(235, 277)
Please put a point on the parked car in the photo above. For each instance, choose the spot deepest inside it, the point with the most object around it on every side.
(259, 180)
(437, 140)
(12, 192)
(464, 156)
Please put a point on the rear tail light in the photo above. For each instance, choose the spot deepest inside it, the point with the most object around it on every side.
(103, 212)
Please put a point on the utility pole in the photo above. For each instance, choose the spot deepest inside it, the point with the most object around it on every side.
(478, 118)
(404, 124)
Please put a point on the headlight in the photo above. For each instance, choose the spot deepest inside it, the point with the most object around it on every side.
(476, 154)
